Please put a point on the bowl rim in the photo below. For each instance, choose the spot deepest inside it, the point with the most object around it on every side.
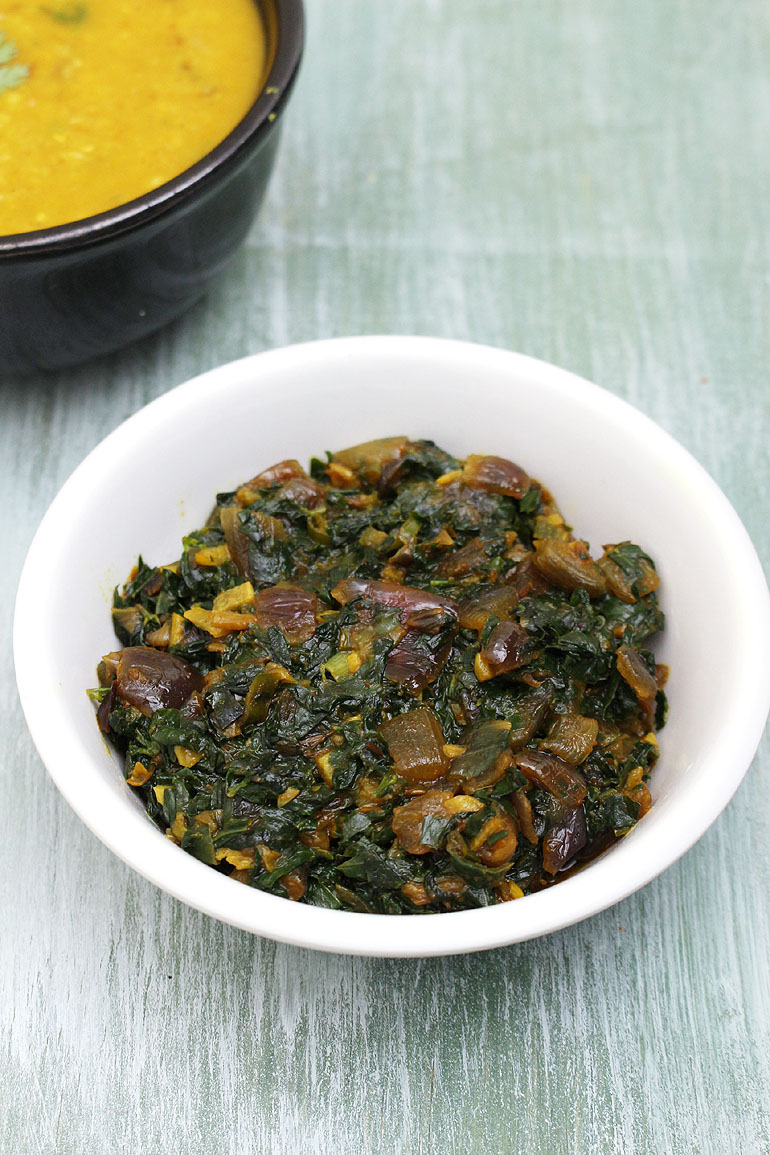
(247, 134)
(571, 900)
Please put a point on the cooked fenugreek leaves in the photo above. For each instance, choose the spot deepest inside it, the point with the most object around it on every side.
(396, 683)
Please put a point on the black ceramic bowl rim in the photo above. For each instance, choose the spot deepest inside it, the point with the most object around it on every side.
(257, 122)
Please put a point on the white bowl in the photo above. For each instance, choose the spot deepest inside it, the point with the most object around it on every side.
(616, 476)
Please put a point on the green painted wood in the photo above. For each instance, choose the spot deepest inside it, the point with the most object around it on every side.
(587, 181)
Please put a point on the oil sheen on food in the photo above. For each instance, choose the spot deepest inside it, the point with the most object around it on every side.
(110, 99)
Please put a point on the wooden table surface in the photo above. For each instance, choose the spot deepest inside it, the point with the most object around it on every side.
(587, 181)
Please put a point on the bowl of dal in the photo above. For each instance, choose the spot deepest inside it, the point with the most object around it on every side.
(141, 137)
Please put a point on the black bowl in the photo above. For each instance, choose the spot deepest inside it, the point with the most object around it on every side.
(83, 289)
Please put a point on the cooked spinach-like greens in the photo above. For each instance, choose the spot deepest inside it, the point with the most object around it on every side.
(396, 683)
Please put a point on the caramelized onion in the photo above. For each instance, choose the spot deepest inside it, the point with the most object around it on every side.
(151, 680)
(303, 491)
(408, 819)
(505, 650)
(618, 582)
(238, 541)
(532, 711)
(413, 667)
(496, 842)
(572, 737)
(368, 459)
(525, 579)
(568, 565)
(523, 808)
(291, 609)
(565, 838)
(416, 744)
(486, 756)
(281, 471)
(106, 706)
(495, 475)
(465, 560)
(634, 672)
(404, 598)
(552, 774)
(476, 608)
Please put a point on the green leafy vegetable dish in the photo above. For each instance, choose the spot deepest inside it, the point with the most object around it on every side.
(395, 684)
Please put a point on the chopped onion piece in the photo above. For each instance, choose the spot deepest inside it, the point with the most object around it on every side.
(505, 650)
(404, 598)
(281, 471)
(476, 608)
(568, 565)
(368, 458)
(634, 672)
(290, 608)
(303, 491)
(408, 819)
(572, 737)
(552, 774)
(564, 839)
(152, 680)
(495, 475)
(409, 666)
(486, 756)
(416, 744)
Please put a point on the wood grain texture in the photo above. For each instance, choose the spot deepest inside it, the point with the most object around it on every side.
(587, 181)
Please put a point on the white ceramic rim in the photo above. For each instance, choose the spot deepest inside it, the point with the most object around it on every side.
(138, 843)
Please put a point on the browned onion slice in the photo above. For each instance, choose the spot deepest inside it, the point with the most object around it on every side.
(416, 744)
(572, 737)
(291, 609)
(106, 706)
(617, 581)
(408, 819)
(486, 756)
(151, 680)
(238, 541)
(525, 579)
(407, 666)
(533, 711)
(564, 839)
(468, 558)
(505, 650)
(281, 471)
(407, 599)
(634, 672)
(568, 565)
(553, 774)
(368, 458)
(303, 491)
(476, 608)
(525, 816)
(495, 475)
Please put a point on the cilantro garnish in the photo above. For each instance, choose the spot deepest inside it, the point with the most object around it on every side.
(11, 75)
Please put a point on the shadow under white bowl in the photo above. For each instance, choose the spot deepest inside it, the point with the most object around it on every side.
(616, 476)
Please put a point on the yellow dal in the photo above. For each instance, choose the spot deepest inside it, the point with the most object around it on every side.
(119, 102)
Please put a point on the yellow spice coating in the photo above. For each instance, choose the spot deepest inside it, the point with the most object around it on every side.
(121, 96)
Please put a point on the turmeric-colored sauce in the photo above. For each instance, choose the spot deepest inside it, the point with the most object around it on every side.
(101, 102)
